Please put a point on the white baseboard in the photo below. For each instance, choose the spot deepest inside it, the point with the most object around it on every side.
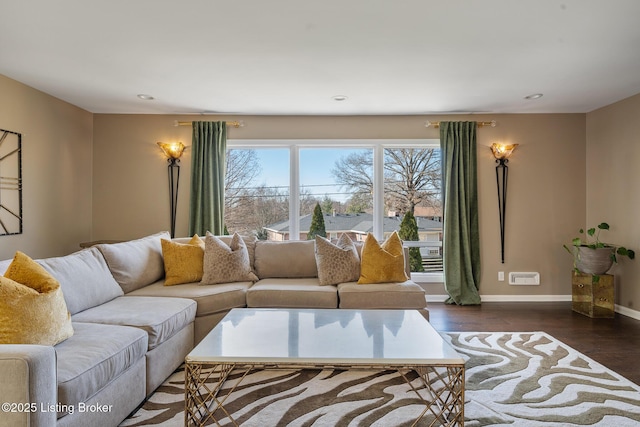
(508, 298)
(436, 298)
(629, 312)
(525, 298)
(625, 311)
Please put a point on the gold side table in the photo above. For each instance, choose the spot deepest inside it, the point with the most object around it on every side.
(593, 295)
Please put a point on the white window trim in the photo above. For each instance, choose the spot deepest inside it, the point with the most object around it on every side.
(427, 277)
(294, 196)
(377, 145)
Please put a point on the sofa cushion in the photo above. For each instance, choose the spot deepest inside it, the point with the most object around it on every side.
(84, 277)
(382, 263)
(224, 263)
(292, 293)
(93, 357)
(404, 295)
(4, 264)
(135, 263)
(337, 263)
(210, 299)
(32, 306)
(290, 258)
(161, 318)
(183, 262)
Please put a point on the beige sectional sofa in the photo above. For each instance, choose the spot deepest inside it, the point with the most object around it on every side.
(131, 331)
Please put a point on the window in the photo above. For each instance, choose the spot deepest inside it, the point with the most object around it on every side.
(257, 192)
(328, 177)
(361, 186)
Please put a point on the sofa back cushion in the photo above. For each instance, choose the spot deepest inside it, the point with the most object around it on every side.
(84, 278)
(290, 258)
(4, 264)
(136, 263)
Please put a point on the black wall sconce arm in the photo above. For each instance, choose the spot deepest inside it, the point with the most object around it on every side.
(173, 151)
(502, 152)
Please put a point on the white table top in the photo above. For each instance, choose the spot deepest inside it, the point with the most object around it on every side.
(325, 336)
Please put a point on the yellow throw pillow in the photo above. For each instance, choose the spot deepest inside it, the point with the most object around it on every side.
(382, 263)
(182, 261)
(32, 307)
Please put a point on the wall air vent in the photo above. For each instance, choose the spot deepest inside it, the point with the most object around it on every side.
(519, 278)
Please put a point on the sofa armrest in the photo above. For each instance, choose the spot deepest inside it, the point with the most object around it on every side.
(29, 385)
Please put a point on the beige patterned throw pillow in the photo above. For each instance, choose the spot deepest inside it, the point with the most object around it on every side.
(337, 263)
(226, 263)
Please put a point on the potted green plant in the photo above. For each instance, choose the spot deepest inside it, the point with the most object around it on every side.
(591, 256)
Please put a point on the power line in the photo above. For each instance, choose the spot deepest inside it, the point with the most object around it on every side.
(304, 186)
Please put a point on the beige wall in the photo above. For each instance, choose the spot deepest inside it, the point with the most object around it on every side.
(56, 171)
(545, 201)
(613, 187)
(546, 184)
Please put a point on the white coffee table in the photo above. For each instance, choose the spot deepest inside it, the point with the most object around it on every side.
(248, 339)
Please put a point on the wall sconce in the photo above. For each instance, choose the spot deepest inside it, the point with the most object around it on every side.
(502, 152)
(173, 151)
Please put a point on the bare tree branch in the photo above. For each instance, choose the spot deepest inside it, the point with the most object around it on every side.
(411, 176)
(242, 167)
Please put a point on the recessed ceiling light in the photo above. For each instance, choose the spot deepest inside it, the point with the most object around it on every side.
(145, 97)
(339, 98)
(534, 96)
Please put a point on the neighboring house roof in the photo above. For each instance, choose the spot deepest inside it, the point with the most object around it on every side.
(279, 227)
(357, 223)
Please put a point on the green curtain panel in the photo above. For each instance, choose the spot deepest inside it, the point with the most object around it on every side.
(461, 251)
(208, 157)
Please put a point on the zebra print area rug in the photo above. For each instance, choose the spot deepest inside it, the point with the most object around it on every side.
(512, 379)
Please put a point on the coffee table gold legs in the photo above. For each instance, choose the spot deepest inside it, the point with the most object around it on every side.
(202, 399)
(442, 393)
(440, 388)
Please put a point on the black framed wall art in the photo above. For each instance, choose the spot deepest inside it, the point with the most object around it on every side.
(10, 182)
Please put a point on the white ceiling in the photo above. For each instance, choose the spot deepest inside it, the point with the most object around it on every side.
(293, 56)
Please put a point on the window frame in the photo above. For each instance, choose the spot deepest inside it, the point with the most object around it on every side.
(377, 145)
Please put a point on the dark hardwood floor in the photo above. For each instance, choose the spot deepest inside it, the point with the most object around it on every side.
(615, 343)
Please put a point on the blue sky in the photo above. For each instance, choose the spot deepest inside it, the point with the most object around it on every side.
(315, 168)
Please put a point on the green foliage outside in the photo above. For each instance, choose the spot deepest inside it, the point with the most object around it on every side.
(317, 224)
(409, 231)
(327, 205)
